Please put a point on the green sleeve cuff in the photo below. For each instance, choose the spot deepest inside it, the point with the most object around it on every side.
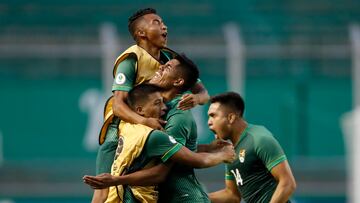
(275, 162)
(171, 152)
(229, 176)
(121, 88)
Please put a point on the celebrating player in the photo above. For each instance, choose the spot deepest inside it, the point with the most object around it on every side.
(261, 172)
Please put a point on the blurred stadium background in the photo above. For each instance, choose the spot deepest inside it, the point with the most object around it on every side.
(292, 60)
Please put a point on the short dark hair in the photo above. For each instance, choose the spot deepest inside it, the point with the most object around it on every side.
(136, 16)
(140, 94)
(231, 100)
(189, 71)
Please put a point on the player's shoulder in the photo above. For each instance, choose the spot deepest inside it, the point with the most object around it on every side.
(180, 116)
(157, 136)
(259, 133)
(157, 133)
(169, 52)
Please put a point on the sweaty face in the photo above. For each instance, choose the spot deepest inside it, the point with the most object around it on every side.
(166, 75)
(218, 122)
(154, 107)
(155, 30)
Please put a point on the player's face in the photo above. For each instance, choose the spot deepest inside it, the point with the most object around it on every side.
(166, 76)
(154, 107)
(218, 121)
(155, 30)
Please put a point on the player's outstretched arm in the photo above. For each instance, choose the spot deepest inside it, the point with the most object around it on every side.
(200, 96)
(213, 146)
(122, 110)
(145, 177)
(286, 182)
(204, 160)
(228, 195)
(158, 173)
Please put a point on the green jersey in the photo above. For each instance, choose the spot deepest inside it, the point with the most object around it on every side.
(159, 146)
(258, 152)
(181, 184)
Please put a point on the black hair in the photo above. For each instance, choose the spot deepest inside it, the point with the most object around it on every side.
(189, 71)
(231, 100)
(140, 93)
(135, 16)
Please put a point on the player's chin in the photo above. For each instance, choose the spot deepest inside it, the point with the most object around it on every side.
(212, 129)
(163, 43)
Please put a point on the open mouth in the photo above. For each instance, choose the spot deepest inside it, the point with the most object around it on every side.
(162, 113)
(164, 35)
(157, 75)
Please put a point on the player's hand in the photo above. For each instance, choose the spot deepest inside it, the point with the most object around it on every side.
(188, 101)
(101, 181)
(154, 123)
(218, 144)
(228, 153)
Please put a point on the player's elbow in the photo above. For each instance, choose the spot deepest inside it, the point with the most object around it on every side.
(289, 185)
(292, 185)
(117, 109)
(158, 177)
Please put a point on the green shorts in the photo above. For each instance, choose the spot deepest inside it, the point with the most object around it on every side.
(106, 152)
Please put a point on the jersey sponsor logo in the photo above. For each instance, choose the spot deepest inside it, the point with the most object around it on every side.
(239, 180)
(172, 140)
(120, 79)
(242, 155)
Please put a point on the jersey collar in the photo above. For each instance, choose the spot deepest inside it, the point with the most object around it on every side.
(243, 134)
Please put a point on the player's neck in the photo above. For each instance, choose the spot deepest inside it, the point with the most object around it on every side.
(238, 129)
(170, 94)
(153, 51)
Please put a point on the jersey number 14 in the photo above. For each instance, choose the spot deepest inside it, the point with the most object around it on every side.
(236, 173)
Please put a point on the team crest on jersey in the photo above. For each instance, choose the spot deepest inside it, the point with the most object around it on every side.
(242, 155)
(120, 79)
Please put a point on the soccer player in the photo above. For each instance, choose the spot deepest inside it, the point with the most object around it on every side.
(177, 76)
(261, 172)
(139, 145)
(135, 66)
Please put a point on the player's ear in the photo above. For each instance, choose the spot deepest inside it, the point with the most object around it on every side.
(231, 118)
(179, 82)
(139, 110)
(140, 32)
